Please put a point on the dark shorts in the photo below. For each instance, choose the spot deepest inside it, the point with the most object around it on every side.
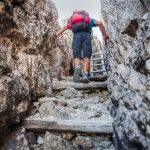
(82, 41)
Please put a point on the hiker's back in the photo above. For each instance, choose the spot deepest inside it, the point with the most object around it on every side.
(79, 21)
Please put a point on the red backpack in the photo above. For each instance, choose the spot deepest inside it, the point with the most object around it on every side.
(79, 21)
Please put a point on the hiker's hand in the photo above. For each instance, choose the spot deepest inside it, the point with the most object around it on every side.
(106, 37)
(53, 38)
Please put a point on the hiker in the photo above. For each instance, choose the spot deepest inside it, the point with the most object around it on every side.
(81, 26)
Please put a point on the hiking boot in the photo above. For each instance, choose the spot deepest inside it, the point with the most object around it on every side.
(77, 73)
(85, 78)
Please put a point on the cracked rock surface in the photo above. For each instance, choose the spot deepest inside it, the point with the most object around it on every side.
(29, 57)
(128, 23)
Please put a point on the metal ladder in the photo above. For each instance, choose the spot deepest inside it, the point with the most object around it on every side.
(97, 64)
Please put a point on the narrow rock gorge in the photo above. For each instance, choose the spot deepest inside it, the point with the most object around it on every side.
(41, 107)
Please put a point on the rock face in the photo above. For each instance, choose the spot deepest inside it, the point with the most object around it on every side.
(77, 142)
(128, 23)
(29, 57)
(17, 140)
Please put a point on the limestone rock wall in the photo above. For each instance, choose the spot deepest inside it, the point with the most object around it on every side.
(128, 24)
(29, 57)
(67, 35)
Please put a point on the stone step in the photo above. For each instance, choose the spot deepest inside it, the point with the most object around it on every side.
(73, 126)
(80, 86)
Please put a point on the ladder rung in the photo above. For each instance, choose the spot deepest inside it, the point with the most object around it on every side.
(97, 54)
(94, 59)
(96, 65)
(98, 71)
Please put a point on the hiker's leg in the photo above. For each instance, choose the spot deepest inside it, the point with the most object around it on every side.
(87, 50)
(86, 64)
(76, 61)
(76, 46)
(85, 72)
(87, 53)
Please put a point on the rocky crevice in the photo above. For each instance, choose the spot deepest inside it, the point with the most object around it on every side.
(29, 58)
(128, 25)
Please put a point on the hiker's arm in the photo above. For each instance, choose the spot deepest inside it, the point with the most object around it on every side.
(61, 31)
(102, 28)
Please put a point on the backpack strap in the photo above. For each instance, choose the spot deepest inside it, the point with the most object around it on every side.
(69, 23)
